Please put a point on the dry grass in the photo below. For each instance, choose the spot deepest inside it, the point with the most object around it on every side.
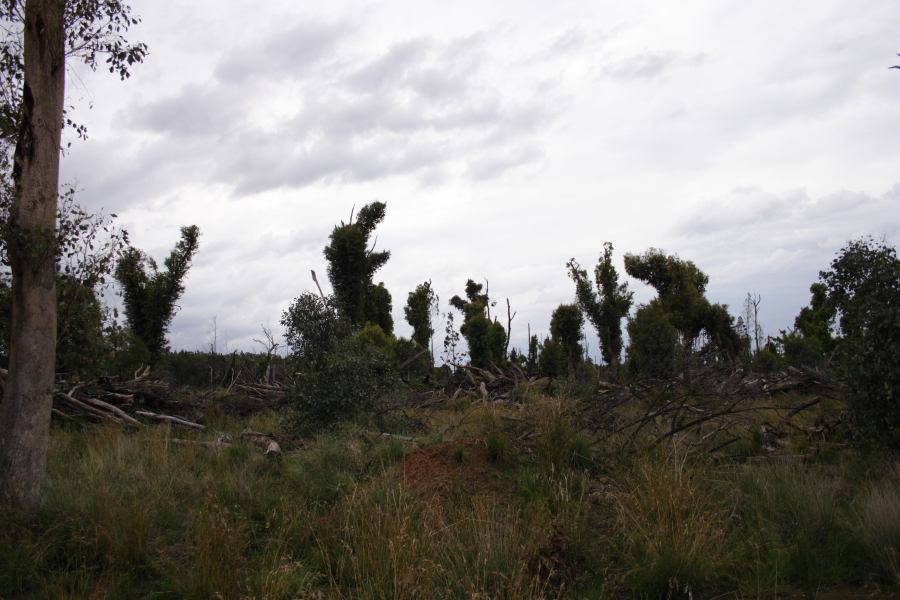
(383, 542)
(879, 524)
(674, 525)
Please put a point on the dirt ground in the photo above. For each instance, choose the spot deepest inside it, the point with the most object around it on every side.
(459, 466)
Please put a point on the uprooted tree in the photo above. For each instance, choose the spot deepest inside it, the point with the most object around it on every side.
(150, 295)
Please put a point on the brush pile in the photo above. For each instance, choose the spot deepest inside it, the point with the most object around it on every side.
(713, 409)
(492, 383)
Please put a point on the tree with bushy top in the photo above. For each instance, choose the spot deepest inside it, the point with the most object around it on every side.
(607, 306)
(352, 264)
(486, 339)
(421, 307)
(565, 327)
(863, 288)
(150, 295)
(682, 304)
(420, 310)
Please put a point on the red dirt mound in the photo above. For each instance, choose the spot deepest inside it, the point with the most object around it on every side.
(460, 466)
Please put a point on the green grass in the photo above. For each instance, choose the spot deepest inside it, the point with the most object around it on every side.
(131, 515)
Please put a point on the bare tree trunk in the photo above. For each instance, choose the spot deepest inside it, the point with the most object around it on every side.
(509, 319)
(27, 401)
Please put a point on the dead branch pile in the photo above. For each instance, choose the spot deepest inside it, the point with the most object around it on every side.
(492, 383)
(714, 409)
(271, 393)
(127, 403)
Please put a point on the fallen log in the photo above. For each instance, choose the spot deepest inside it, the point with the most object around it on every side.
(169, 419)
(113, 409)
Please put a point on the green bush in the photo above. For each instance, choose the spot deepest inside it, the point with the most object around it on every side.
(352, 378)
(653, 343)
(863, 285)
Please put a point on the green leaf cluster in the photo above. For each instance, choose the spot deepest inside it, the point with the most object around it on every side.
(682, 304)
(352, 264)
(863, 289)
(150, 295)
(486, 338)
(607, 306)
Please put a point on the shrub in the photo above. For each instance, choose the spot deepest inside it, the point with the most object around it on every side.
(653, 341)
(339, 384)
(336, 375)
(560, 445)
(312, 326)
(863, 285)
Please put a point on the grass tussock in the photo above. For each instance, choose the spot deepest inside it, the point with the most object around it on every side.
(879, 525)
(673, 524)
(796, 521)
(383, 542)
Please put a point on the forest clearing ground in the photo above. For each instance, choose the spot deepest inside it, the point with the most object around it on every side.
(458, 500)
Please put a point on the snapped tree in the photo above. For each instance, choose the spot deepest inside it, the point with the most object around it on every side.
(38, 36)
(150, 295)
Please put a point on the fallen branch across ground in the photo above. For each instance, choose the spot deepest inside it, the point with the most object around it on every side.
(713, 409)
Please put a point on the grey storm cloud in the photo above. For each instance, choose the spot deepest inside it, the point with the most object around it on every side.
(194, 111)
(286, 54)
(419, 107)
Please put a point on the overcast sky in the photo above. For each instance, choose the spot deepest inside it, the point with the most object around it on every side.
(754, 138)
